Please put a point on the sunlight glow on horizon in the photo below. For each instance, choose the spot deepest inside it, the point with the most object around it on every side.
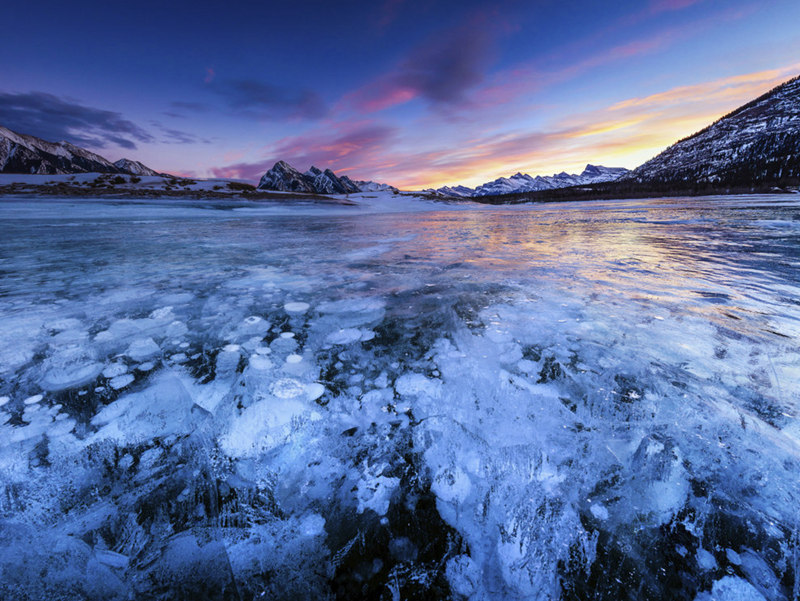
(625, 134)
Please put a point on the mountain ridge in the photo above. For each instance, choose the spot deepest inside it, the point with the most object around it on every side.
(24, 153)
(522, 182)
(756, 143)
(282, 177)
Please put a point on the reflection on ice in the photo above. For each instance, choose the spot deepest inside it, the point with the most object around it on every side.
(569, 402)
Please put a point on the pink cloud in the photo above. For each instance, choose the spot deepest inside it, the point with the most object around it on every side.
(443, 70)
(342, 147)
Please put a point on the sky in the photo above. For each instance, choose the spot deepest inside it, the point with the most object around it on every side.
(415, 94)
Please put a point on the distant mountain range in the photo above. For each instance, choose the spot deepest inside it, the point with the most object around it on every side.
(21, 153)
(522, 182)
(757, 146)
(285, 178)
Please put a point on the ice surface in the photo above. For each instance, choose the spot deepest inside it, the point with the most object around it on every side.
(549, 402)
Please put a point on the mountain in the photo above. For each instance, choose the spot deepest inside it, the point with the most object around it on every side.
(285, 178)
(21, 153)
(326, 182)
(134, 167)
(522, 182)
(369, 186)
(758, 143)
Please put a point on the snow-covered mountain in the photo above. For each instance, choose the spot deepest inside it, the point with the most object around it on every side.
(326, 182)
(522, 182)
(134, 167)
(757, 143)
(370, 186)
(21, 153)
(285, 178)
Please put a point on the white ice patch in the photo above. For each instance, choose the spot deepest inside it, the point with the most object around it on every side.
(261, 426)
(115, 369)
(412, 384)
(296, 307)
(344, 336)
(731, 588)
(121, 381)
(314, 391)
(375, 493)
(163, 408)
(142, 349)
(451, 485)
(70, 367)
(260, 362)
(287, 388)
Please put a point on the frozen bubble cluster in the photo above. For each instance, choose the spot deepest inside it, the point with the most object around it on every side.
(586, 401)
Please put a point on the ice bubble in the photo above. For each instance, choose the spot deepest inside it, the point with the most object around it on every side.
(706, 560)
(68, 323)
(178, 358)
(228, 359)
(162, 313)
(599, 512)
(4, 400)
(733, 557)
(412, 384)
(451, 485)
(294, 358)
(111, 559)
(260, 362)
(32, 400)
(312, 525)
(263, 350)
(314, 391)
(70, 367)
(115, 369)
(70, 337)
(731, 588)
(146, 366)
(121, 381)
(344, 336)
(287, 334)
(176, 329)
(296, 307)
(287, 388)
(162, 409)
(260, 426)
(252, 326)
(143, 348)
(375, 493)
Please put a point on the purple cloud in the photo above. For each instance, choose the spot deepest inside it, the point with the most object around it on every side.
(443, 71)
(54, 119)
(351, 145)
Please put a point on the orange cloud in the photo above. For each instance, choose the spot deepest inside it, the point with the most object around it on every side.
(626, 133)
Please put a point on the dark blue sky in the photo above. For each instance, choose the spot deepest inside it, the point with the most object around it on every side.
(411, 93)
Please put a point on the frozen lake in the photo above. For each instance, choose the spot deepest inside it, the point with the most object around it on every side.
(561, 401)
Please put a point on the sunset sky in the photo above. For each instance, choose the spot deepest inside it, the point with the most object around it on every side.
(412, 94)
